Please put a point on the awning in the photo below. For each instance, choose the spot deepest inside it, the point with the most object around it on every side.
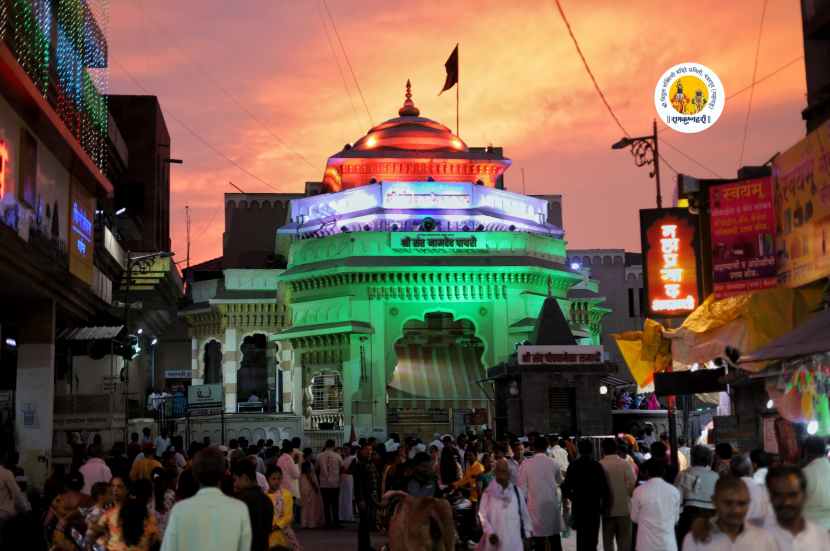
(811, 337)
(95, 333)
(437, 377)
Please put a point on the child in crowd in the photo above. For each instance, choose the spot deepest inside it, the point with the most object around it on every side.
(282, 536)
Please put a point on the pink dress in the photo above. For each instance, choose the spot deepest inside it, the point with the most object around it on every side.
(311, 510)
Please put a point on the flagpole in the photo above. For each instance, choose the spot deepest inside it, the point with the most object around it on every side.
(458, 94)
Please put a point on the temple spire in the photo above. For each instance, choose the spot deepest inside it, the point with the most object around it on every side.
(409, 109)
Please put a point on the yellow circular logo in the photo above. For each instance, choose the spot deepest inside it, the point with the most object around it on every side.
(689, 95)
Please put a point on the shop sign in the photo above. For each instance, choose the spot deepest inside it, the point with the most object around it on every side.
(559, 354)
(178, 374)
(743, 237)
(205, 396)
(801, 176)
(458, 241)
(81, 242)
(670, 254)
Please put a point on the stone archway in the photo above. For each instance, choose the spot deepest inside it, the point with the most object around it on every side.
(434, 386)
(212, 362)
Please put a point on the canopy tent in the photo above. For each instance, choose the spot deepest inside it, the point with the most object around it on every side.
(811, 337)
(437, 377)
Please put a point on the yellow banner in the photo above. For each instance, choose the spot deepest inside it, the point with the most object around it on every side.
(802, 203)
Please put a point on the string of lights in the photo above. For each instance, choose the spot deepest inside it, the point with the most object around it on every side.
(752, 88)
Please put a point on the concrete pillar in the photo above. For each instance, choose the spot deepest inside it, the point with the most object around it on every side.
(196, 367)
(379, 363)
(35, 397)
(230, 365)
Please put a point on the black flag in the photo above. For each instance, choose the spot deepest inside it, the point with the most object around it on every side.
(452, 71)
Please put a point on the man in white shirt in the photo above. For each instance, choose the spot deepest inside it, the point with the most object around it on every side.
(817, 473)
(94, 470)
(792, 532)
(208, 521)
(330, 466)
(655, 507)
(560, 454)
(616, 523)
(162, 443)
(759, 507)
(539, 478)
(728, 531)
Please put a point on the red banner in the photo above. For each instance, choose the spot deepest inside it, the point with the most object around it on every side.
(743, 237)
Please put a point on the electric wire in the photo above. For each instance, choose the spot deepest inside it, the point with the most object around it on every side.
(348, 63)
(752, 88)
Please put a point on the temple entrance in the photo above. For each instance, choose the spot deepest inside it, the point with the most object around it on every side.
(213, 362)
(252, 377)
(435, 386)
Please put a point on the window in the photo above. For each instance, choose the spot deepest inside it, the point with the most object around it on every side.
(630, 302)
(326, 392)
(27, 188)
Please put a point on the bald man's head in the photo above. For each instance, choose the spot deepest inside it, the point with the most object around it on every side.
(501, 471)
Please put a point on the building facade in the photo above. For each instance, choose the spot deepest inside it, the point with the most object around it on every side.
(411, 277)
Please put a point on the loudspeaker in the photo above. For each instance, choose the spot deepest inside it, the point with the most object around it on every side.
(689, 382)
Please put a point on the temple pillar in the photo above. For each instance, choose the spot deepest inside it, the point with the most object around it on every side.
(35, 397)
(196, 369)
(230, 366)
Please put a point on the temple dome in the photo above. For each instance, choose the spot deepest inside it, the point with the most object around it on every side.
(410, 132)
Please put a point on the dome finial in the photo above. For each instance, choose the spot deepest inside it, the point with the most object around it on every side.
(409, 109)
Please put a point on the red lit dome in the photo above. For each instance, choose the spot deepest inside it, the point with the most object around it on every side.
(410, 132)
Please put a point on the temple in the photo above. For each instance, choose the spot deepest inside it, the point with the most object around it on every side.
(411, 275)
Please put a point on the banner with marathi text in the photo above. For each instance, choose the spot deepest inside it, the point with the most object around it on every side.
(802, 201)
(743, 237)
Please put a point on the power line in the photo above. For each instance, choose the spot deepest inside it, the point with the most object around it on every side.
(221, 88)
(348, 63)
(588, 69)
(690, 158)
(195, 134)
(752, 88)
(339, 67)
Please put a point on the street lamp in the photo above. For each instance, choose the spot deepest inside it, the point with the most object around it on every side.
(143, 262)
(645, 152)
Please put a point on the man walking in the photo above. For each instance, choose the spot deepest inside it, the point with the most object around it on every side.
(616, 523)
(791, 531)
(330, 465)
(655, 507)
(208, 521)
(587, 489)
(260, 507)
(95, 469)
(503, 514)
(728, 531)
(539, 478)
(366, 494)
(817, 473)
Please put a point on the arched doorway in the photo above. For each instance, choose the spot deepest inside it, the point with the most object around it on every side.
(252, 377)
(435, 386)
(213, 362)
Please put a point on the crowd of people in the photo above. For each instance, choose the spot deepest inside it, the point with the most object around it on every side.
(506, 494)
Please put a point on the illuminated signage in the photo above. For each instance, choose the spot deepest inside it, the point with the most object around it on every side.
(4, 162)
(559, 355)
(456, 241)
(742, 220)
(81, 230)
(426, 195)
(669, 240)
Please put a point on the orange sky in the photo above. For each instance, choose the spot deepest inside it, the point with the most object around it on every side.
(523, 88)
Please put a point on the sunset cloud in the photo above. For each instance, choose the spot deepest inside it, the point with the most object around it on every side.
(523, 88)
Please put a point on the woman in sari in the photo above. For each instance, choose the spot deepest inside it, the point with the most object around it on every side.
(65, 513)
(311, 513)
(282, 535)
(131, 525)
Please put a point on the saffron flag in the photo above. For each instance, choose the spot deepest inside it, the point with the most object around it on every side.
(452, 71)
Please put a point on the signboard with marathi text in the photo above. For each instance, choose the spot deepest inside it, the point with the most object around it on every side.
(81, 233)
(743, 237)
(456, 241)
(559, 354)
(801, 176)
(205, 396)
(670, 275)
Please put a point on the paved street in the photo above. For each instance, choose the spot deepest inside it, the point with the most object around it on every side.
(322, 540)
